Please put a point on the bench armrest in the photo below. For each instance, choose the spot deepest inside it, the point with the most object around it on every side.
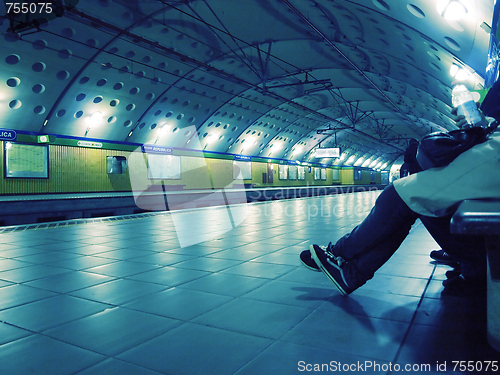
(477, 217)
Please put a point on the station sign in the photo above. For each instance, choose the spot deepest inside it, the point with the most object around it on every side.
(7, 135)
(89, 144)
(242, 157)
(152, 149)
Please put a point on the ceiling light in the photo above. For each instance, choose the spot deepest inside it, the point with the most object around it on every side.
(96, 118)
(451, 9)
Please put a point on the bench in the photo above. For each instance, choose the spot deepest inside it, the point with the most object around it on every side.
(482, 217)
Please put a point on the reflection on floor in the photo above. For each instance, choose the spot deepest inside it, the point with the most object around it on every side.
(221, 291)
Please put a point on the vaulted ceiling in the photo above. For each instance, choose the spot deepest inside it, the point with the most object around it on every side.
(267, 78)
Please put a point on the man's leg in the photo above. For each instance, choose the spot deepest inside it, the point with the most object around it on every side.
(356, 256)
(469, 251)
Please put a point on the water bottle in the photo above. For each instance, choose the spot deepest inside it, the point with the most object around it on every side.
(463, 100)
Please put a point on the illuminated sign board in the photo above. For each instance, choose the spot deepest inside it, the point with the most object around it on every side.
(327, 152)
(7, 135)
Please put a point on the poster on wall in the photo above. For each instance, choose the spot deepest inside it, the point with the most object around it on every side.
(301, 173)
(164, 167)
(323, 174)
(244, 168)
(25, 160)
(283, 172)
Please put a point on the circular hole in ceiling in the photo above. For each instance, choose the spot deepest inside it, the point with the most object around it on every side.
(106, 66)
(433, 55)
(61, 113)
(13, 82)
(38, 88)
(97, 99)
(92, 43)
(62, 75)
(416, 11)
(452, 44)
(68, 32)
(39, 44)
(153, 126)
(64, 54)
(101, 82)
(127, 16)
(134, 90)
(15, 104)
(84, 80)
(130, 107)
(150, 96)
(434, 66)
(39, 110)
(169, 113)
(38, 67)
(78, 114)
(118, 86)
(128, 123)
(12, 59)
(80, 97)
(114, 102)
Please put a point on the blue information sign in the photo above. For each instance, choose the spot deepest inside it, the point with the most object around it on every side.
(157, 149)
(7, 135)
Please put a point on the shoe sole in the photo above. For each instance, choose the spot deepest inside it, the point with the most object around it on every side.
(320, 265)
(309, 267)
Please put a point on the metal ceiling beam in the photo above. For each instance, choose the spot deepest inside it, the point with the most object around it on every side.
(334, 47)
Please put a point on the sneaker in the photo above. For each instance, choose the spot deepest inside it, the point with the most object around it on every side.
(442, 256)
(308, 261)
(464, 286)
(332, 266)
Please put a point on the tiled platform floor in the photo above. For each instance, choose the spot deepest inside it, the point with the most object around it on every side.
(124, 297)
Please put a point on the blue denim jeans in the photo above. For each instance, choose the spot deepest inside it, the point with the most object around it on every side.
(373, 242)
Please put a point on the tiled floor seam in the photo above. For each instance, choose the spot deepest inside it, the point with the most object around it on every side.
(403, 341)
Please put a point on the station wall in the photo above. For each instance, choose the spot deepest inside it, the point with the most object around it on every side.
(73, 169)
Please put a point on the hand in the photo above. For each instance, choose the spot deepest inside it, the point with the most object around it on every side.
(459, 119)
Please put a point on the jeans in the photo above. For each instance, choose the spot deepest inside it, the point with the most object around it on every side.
(470, 251)
(373, 242)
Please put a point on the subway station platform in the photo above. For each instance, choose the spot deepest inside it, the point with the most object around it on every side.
(221, 290)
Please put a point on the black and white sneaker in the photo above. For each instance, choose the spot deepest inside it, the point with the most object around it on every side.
(308, 261)
(443, 257)
(333, 267)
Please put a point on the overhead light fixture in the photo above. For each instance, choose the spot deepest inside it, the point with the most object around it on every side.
(95, 118)
(451, 9)
(460, 74)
